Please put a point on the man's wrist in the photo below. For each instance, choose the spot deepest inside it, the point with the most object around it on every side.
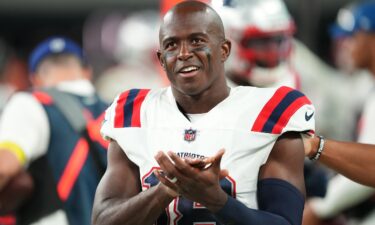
(216, 204)
(166, 193)
(318, 150)
(314, 145)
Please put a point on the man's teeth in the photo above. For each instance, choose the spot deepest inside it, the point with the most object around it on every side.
(189, 69)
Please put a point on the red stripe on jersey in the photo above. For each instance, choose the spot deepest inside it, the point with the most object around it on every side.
(119, 116)
(43, 97)
(288, 113)
(269, 107)
(136, 116)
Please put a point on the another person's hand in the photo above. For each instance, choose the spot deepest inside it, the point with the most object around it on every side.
(310, 145)
(197, 183)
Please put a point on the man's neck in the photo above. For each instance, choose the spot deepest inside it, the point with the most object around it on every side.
(203, 102)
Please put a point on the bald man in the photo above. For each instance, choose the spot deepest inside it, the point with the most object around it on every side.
(198, 152)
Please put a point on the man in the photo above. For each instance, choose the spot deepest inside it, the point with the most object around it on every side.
(352, 160)
(164, 159)
(36, 134)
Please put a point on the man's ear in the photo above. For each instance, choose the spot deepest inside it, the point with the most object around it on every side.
(226, 47)
(161, 60)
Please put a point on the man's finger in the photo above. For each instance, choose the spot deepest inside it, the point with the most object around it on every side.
(218, 156)
(166, 165)
(223, 173)
(165, 181)
(181, 165)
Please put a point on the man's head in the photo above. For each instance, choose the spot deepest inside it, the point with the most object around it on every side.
(55, 60)
(340, 39)
(193, 48)
(361, 26)
(262, 32)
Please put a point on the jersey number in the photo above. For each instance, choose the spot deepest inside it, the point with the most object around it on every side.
(183, 211)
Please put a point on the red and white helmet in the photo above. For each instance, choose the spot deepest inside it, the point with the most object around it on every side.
(261, 32)
(267, 30)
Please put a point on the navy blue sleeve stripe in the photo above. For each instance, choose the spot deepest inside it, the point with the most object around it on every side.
(128, 107)
(280, 109)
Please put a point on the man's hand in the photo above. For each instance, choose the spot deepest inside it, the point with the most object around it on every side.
(10, 166)
(310, 145)
(193, 179)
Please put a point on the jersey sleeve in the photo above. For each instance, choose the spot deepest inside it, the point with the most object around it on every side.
(107, 125)
(287, 110)
(124, 112)
(24, 123)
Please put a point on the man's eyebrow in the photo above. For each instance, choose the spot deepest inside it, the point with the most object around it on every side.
(198, 34)
(167, 39)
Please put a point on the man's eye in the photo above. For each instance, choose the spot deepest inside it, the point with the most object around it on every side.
(170, 45)
(197, 41)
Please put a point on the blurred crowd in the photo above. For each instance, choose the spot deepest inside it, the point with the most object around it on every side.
(265, 53)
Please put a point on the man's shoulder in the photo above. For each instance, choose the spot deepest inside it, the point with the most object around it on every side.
(282, 109)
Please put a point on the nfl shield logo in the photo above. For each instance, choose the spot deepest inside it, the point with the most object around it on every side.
(190, 135)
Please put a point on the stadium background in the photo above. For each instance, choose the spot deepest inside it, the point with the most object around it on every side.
(23, 23)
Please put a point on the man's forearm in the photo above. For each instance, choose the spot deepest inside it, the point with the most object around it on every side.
(144, 208)
(354, 160)
(280, 203)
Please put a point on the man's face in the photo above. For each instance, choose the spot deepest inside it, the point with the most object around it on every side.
(358, 45)
(191, 52)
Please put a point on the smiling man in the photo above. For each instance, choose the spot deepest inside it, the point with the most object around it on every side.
(198, 152)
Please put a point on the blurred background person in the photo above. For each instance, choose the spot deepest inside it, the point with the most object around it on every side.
(135, 53)
(13, 78)
(13, 73)
(266, 54)
(262, 46)
(36, 133)
(345, 197)
(359, 80)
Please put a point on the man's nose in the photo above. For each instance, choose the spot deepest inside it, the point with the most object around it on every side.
(185, 52)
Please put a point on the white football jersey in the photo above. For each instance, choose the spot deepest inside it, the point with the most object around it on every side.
(246, 124)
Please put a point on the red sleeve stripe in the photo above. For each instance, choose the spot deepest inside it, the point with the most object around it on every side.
(269, 107)
(282, 110)
(288, 113)
(119, 112)
(128, 108)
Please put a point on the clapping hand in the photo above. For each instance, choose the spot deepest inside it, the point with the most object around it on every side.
(194, 179)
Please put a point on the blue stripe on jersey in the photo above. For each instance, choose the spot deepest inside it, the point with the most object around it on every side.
(128, 108)
(279, 110)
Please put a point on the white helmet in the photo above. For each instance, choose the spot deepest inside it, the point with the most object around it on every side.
(262, 39)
